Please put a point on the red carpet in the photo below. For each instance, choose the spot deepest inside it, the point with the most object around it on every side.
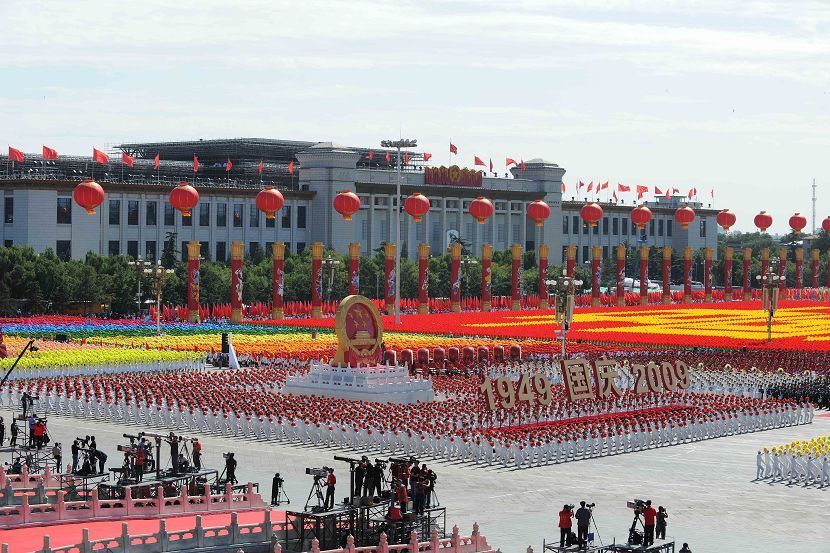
(26, 540)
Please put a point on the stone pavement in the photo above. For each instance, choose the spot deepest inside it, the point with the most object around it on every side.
(707, 488)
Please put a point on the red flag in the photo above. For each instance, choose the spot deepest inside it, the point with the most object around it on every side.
(388, 157)
(581, 184)
(49, 153)
(668, 196)
(478, 161)
(491, 165)
(371, 156)
(510, 161)
(453, 148)
(590, 186)
(604, 185)
(127, 159)
(692, 192)
(657, 191)
(16, 155)
(563, 187)
(291, 166)
(523, 166)
(675, 191)
(615, 196)
(260, 167)
(195, 164)
(156, 162)
(623, 188)
(427, 156)
(641, 190)
(100, 157)
(406, 158)
(712, 193)
(228, 165)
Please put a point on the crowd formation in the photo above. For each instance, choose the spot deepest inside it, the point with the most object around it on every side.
(804, 462)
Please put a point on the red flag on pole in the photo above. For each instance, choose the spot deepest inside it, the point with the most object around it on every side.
(388, 157)
(156, 162)
(49, 153)
(477, 161)
(100, 157)
(371, 155)
(453, 148)
(641, 190)
(427, 156)
(563, 187)
(675, 191)
(16, 155)
(580, 185)
(615, 196)
(712, 193)
(195, 164)
(127, 159)
(590, 186)
(668, 196)
(260, 167)
(604, 185)
(491, 165)
(406, 158)
(291, 166)
(623, 188)
(523, 166)
(510, 161)
(657, 191)
(228, 165)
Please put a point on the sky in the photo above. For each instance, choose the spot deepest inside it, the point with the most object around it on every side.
(723, 95)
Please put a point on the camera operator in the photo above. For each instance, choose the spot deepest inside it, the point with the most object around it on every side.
(421, 484)
(173, 440)
(369, 479)
(140, 458)
(230, 468)
(400, 494)
(662, 515)
(2, 432)
(57, 453)
(31, 422)
(565, 524)
(75, 448)
(331, 482)
(649, 518)
(359, 476)
(197, 454)
(430, 477)
(276, 484)
(583, 520)
(13, 429)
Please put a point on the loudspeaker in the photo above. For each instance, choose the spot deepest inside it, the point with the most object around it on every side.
(61, 337)
(225, 346)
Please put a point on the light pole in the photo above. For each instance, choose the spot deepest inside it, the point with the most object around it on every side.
(158, 273)
(330, 264)
(139, 265)
(467, 262)
(770, 282)
(398, 144)
(563, 289)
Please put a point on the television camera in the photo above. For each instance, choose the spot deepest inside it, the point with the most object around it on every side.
(317, 473)
(635, 536)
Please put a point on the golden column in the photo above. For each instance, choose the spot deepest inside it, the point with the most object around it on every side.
(486, 277)
(237, 250)
(354, 268)
(278, 284)
(389, 250)
(423, 278)
(193, 253)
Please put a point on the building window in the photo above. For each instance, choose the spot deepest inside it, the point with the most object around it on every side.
(380, 200)
(605, 252)
(585, 227)
(221, 215)
(565, 225)
(501, 232)
(151, 215)
(187, 221)
(660, 227)
(204, 250)
(237, 215)
(301, 216)
(253, 217)
(64, 211)
(63, 249)
(615, 226)
(132, 212)
(132, 248)
(668, 227)
(270, 223)
(703, 228)
(8, 243)
(364, 229)
(452, 204)
(169, 215)
(115, 212)
(221, 256)
(8, 215)
(300, 247)
(515, 206)
(584, 253)
(253, 249)
(596, 228)
(625, 226)
(204, 215)
(150, 250)
(651, 228)
(605, 228)
(384, 235)
(114, 248)
(515, 233)
(286, 217)
(184, 251)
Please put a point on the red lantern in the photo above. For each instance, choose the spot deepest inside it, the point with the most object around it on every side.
(826, 225)
(270, 201)
(591, 213)
(184, 198)
(726, 219)
(640, 216)
(417, 205)
(763, 221)
(798, 222)
(346, 203)
(482, 209)
(684, 215)
(539, 211)
(88, 195)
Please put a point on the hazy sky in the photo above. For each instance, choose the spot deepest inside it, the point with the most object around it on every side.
(723, 94)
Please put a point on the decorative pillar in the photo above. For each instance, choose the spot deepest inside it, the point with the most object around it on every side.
(799, 268)
(193, 253)
(237, 250)
(486, 277)
(317, 279)
(814, 253)
(278, 287)
(570, 261)
(389, 250)
(596, 252)
(543, 274)
(620, 275)
(643, 275)
(727, 273)
(667, 274)
(747, 275)
(354, 268)
(455, 277)
(707, 274)
(764, 261)
(687, 275)
(516, 298)
(782, 270)
(423, 278)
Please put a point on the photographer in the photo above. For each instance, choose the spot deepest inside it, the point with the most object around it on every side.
(74, 449)
(331, 482)
(14, 429)
(57, 454)
(565, 524)
(197, 454)
(662, 515)
(369, 480)
(431, 477)
(230, 468)
(139, 464)
(359, 476)
(276, 484)
(649, 519)
(583, 520)
(173, 440)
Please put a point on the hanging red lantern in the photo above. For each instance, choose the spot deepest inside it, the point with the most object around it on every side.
(826, 225)
(763, 221)
(591, 213)
(346, 203)
(89, 195)
(482, 209)
(640, 216)
(726, 219)
(539, 211)
(798, 222)
(684, 215)
(184, 198)
(417, 205)
(270, 201)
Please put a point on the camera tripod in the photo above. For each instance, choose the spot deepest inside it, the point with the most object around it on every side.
(635, 537)
(316, 490)
(280, 496)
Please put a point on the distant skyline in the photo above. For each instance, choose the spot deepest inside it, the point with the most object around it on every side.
(724, 95)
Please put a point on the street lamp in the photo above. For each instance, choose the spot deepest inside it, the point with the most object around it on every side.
(330, 264)
(158, 274)
(563, 290)
(466, 263)
(139, 265)
(770, 281)
(398, 144)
